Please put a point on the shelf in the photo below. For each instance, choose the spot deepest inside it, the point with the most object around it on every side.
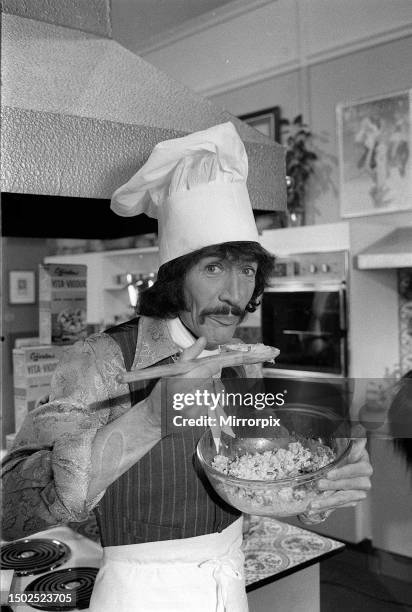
(307, 239)
(136, 251)
(96, 254)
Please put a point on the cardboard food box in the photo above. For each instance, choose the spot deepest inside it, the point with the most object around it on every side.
(63, 303)
(10, 441)
(33, 368)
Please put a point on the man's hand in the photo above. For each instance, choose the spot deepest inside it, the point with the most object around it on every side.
(346, 485)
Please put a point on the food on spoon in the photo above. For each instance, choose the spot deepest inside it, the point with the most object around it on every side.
(253, 349)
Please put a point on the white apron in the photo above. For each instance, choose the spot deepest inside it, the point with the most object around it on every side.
(202, 574)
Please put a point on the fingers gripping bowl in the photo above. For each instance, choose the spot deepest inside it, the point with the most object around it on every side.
(309, 446)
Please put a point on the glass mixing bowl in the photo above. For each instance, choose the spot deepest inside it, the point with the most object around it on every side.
(280, 497)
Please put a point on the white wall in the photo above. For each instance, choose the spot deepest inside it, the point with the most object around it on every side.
(249, 40)
(331, 75)
(302, 55)
(370, 72)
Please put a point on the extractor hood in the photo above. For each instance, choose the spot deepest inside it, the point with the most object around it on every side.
(392, 251)
(81, 113)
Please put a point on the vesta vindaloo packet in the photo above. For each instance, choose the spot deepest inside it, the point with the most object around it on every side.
(62, 312)
(33, 368)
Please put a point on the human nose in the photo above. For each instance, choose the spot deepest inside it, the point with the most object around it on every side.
(231, 290)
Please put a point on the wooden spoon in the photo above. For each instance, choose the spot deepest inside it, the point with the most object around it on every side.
(255, 353)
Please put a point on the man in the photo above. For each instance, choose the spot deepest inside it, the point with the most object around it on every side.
(170, 542)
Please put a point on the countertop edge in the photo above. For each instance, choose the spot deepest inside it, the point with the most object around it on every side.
(292, 570)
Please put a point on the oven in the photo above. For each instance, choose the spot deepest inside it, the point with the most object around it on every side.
(304, 314)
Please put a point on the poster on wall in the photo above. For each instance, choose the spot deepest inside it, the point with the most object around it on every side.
(22, 287)
(375, 155)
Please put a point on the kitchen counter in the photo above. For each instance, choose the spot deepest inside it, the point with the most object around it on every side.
(282, 565)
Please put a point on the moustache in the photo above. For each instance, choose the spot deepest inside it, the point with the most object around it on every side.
(222, 310)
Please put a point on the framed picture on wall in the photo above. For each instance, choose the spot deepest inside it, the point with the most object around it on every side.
(375, 155)
(266, 122)
(22, 287)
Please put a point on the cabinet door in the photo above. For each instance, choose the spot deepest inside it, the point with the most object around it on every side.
(391, 499)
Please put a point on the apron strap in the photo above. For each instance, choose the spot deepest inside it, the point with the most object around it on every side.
(224, 569)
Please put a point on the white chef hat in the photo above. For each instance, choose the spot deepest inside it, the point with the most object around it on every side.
(196, 187)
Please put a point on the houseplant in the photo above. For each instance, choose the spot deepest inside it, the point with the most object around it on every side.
(300, 164)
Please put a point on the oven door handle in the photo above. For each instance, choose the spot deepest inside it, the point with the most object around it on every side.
(293, 286)
(296, 332)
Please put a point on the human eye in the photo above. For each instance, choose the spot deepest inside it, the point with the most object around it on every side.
(249, 271)
(213, 268)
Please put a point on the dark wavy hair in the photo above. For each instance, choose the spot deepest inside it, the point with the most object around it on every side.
(165, 299)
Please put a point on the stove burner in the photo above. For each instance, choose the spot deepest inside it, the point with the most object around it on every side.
(27, 554)
(34, 556)
(79, 581)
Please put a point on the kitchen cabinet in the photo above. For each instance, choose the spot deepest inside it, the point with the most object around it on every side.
(107, 299)
(391, 496)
